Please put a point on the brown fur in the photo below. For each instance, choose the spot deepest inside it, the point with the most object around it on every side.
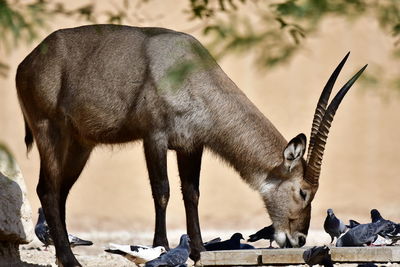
(106, 84)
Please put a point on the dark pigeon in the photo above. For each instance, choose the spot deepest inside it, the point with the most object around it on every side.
(352, 224)
(175, 257)
(318, 255)
(363, 234)
(230, 244)
(265, 233)
(42, 232)
(333, 226)
(391, 232)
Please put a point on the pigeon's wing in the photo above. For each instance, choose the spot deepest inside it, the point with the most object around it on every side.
(257, 236)
(136, 251)
(76, 241)
(212, 241)
(352, 224)
(123, 248)
(216, 246)
(356, 236)
(367, 233)
(42, 232)
(176, 256)
(389, 230)
(265, 233)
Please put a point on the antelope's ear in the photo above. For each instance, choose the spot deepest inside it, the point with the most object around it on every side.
(294, 151)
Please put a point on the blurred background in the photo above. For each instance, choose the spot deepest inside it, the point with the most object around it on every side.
(280, 53)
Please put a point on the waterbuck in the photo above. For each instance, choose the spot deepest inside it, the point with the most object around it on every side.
(108, 84)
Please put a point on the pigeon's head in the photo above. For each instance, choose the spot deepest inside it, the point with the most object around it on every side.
(330, 212)
(184, 239)
(375, 215)
(237, 236)
(290, 186)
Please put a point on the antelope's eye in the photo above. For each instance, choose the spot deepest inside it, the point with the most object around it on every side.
(303, 195)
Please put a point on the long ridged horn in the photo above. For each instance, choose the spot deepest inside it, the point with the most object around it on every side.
(314, 164)
(323, 103)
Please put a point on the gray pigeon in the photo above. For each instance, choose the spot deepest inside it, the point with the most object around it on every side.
(391, 232)
(333, 226)
(42, 232)
(265, 233)
(175, 257)
(318, 255)
(363, 234)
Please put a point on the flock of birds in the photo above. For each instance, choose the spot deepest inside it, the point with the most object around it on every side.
(378, 232)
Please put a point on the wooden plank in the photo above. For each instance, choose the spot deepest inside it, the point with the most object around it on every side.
(231, 257)
(282, 256)
(295, 256)
(365, 254)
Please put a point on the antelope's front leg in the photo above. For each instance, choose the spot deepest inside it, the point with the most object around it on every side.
(156, 160)
(189, 165)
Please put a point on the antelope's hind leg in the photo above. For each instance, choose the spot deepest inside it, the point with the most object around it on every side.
(189, 165)
(61, 161)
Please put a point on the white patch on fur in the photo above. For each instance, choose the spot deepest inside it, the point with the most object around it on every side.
(265, 188)
(280, 238)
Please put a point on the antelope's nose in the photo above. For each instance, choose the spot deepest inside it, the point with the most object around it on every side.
(302, 241)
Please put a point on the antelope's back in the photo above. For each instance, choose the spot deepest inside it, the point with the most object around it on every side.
(107, 80)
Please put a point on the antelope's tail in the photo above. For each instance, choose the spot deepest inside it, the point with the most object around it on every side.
(28, 137)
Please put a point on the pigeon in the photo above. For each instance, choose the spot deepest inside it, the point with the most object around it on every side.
(333, 226)
(42, 232)
(230, 244)
(137, 254)
(363, 234)
(175, 257)
(391, 232)
(318, 255)
(265, 233)
(352, 224)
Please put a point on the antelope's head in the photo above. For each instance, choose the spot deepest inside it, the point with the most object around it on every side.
(291, 186)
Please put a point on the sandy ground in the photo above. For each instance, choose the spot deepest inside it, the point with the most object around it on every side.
(94, 256)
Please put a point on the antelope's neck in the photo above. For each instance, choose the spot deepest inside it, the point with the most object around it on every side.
(245, 138)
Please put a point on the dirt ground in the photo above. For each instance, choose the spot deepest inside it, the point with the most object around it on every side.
(94, 256)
